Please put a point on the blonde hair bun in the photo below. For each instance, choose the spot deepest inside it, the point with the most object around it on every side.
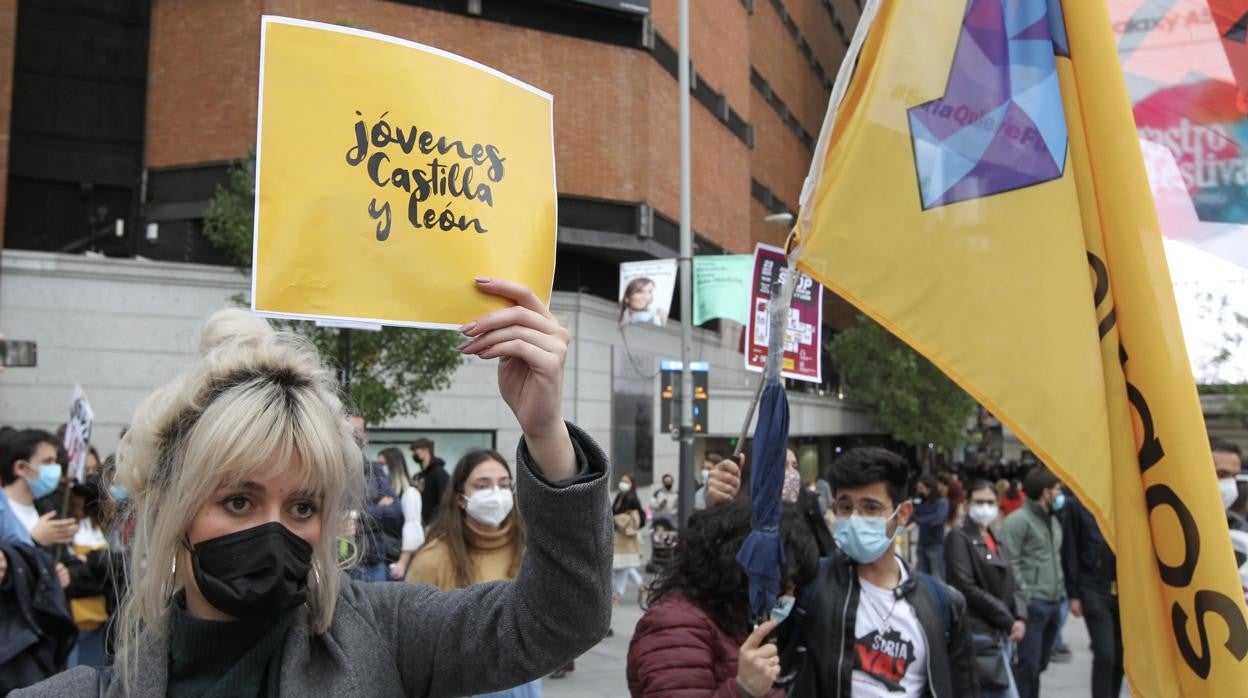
(233, 327)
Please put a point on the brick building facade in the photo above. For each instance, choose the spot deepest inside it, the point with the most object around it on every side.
(763, 72)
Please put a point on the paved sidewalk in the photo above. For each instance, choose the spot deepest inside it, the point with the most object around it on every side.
(600, 672)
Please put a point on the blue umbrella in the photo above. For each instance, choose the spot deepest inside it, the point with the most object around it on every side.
(762, 553)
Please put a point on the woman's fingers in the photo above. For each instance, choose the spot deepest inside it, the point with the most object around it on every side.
(522, 295)
(520, 349)
(755, 640)
(516, 315)
(538, 339)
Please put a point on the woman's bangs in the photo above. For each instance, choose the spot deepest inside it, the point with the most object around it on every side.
(242, 436)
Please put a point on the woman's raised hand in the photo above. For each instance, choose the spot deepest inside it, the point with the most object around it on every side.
(758, 662)
(531, 347)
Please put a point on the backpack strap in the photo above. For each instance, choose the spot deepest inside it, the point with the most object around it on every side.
(942, 601)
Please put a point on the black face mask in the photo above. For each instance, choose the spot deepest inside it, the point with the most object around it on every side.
(253, 574)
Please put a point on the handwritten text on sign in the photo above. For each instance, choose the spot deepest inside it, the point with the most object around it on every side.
(448, 174)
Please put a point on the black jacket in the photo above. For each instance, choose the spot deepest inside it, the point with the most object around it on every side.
(36, 628)
(1088, 565)
(433, 479)
(993, 599)
(828, 636)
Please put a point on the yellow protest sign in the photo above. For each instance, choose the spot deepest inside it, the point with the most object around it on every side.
(389, 174)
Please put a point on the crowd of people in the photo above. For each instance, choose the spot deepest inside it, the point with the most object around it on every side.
(241, 541)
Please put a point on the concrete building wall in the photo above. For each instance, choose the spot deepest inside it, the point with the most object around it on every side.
(122, 327)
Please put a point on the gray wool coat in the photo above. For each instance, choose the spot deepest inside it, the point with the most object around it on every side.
(398, 639)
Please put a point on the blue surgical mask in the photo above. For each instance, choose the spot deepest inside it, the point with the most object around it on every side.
(784, 606)
(864, 538)
(45, 484)
(119, 493)
(1059, 501)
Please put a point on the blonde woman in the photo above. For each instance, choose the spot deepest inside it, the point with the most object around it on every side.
(240, 473)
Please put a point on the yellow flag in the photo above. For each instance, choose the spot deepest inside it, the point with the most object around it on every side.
(389, 174)
(978, 189)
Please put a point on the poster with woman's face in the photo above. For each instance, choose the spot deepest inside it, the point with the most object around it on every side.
(646, 291)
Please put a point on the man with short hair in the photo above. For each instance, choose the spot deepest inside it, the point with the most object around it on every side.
(29, 471)
(432, 479)
(1227, 463)
(870, 625)
(1033, 536)
(663, 501)
(874, 627)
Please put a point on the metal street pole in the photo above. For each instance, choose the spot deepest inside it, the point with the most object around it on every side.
(685, 493)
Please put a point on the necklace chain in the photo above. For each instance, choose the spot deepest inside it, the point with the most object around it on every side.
(880, 616)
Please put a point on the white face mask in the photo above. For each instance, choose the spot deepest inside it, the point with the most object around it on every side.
(983, 514)
(624, 487)
(490, 507)
(706, 474)
(1230, 491)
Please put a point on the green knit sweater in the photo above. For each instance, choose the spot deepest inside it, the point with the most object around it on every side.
(225, 658)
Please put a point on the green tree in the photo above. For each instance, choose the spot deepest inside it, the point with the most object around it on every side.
(910, 398)
(390, 370)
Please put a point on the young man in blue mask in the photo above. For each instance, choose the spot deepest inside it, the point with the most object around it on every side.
(1033, 535)
(29, 471)
(872, 627)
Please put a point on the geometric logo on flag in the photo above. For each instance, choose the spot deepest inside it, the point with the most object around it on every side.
(1000, 125)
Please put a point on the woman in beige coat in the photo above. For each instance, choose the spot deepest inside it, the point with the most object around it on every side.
(629, 519)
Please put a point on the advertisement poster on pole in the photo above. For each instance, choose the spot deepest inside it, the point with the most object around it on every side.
(78, 434)
(803, 356)
(646, 289)
(389, 174)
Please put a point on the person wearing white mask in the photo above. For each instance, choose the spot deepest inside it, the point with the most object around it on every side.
(629, 519)
(978, 565)
(1227, 463)
(476, 537)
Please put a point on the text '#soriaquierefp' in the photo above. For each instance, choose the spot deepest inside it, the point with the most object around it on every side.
(449, 173)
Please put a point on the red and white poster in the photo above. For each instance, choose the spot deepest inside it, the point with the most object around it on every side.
(803, 341)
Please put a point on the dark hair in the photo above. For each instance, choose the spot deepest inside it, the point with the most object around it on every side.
(1223, 446)
(931, 483)
(1037, 480)
(396, 467)
(713, 457)
(705, 570)
(422, 442)
(449, 526)
(627, 501)
(977, 485)
(20, 445)
(859, 467)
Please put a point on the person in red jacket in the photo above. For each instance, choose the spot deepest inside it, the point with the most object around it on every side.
(695, 638)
